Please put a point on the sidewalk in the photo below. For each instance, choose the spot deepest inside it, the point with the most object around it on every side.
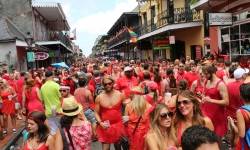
(10, 134)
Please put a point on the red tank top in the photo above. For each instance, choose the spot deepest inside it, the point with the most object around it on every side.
(112, 114)
(42, 147)
(199, 87)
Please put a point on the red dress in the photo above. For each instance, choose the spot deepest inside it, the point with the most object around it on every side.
(34, 103)
(114, 133)
(42, 147)
(137, 141)
(216, 113)
(8, 105)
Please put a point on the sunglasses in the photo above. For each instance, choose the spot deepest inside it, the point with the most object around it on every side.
(184, 102)
(181, 66)
(167, 115)
(171, 66)
(108, 84)
(62, 91)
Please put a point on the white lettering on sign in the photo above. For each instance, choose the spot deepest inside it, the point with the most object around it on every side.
(41, 56)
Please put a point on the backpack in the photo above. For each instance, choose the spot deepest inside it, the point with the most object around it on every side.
(98, 88)
(145, 89)
(247, 135)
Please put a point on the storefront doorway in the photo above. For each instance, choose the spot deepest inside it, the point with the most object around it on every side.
(177, 50)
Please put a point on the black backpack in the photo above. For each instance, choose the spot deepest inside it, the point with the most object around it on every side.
(145, 89)
(98, 88)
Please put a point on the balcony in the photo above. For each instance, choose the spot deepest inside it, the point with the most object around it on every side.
(121, 37)
(179, 15)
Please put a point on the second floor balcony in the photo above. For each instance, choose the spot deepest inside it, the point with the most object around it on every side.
(122, 37)
(178, 15)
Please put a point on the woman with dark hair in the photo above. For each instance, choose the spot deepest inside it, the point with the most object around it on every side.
(75, 127)
(188, 113)
(242, 115)
(31, 97)
(157, 79)
(39, 80)
(38, 137)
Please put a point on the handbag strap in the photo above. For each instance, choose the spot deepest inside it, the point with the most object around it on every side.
(65, 145)
(137, 123)
(70, 138)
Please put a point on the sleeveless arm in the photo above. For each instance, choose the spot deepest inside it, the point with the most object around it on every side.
(59, 141)
(97, 109)
(208, 123)
(89, 95)
(50, 143)
(38, 93)
(240, 124)
(193, 86)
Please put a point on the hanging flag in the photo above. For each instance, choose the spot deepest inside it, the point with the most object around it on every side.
(133, 35)
(74, 32)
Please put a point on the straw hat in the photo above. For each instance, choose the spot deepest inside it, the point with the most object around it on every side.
(70, 107)
(206, 62)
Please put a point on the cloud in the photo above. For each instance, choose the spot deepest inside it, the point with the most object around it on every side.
(101, 22)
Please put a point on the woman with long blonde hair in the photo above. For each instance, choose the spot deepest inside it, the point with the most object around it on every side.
(188, 113)
(136, 119)
(161, 135)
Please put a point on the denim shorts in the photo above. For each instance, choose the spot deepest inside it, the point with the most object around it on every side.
(89, 113)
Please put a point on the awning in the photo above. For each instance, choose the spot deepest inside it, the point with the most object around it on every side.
(172, 27)
(52, 43)
(53, 13)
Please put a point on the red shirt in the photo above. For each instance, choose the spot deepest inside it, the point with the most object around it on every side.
(234, 98)
(190, 77)
(124, 84)
(92, 81)
(12, 83)
(221, 73)
(6, 77)
(180, 75)
(141, 75)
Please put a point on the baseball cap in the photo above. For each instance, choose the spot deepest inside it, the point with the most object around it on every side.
(238, 73)
(152, 85)
(128, 69)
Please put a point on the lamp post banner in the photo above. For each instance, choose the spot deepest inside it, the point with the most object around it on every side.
(30, 57)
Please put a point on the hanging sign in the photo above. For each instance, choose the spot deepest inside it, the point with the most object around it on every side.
(220, 19)
(41, 56)
(30, 57)
(171, 39)
(198, 51)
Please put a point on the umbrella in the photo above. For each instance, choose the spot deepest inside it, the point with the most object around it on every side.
(60, 65)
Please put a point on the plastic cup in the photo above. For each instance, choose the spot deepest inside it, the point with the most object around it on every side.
(107, 123)
(53, 108)
(125, 118)
(10, 97)
(168, 95)
(17, 106)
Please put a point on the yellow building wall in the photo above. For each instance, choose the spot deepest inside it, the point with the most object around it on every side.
(179, 3)
(168, 53)
(191, 36)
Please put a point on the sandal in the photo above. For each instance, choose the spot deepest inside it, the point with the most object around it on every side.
(224, 140)
(4, 132)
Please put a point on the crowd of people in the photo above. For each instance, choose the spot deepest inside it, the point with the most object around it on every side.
(185, 104)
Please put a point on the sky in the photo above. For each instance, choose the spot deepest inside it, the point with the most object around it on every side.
(92, 18)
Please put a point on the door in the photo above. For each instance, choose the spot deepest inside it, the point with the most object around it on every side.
(177, 50)
(196, 51)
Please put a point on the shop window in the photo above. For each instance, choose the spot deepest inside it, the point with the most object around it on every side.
(235, 47)
(225, 48)
(245, 38)
(234, 33)
(224, 32)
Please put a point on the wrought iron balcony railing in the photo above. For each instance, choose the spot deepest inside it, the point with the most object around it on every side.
(124, 36)
(178, 15)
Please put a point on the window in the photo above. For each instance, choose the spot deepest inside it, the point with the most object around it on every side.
(207, 49)
(145, 18)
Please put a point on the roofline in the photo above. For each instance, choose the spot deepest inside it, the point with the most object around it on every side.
(124, 13)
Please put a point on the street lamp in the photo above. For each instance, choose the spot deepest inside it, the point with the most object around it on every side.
(29, 40)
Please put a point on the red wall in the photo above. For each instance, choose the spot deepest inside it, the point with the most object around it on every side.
(214, 44)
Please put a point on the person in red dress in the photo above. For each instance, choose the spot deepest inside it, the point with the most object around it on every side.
(5, 75)
(215, 98)
(39, 80)
(8, 95)
(108, 114)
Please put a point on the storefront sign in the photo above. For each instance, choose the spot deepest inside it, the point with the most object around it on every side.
(198, 51)
(41, 55)
(162, 48)
(172, 39)
(122, 54)
(220, 19)
(54, 53)
(30, 57)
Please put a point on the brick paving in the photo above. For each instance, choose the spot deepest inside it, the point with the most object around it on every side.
(9, 131)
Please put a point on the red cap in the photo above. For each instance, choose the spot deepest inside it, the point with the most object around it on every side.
(152, 85)
(49, 68)
(38, 69)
